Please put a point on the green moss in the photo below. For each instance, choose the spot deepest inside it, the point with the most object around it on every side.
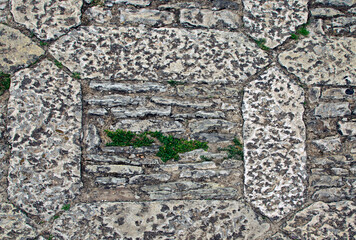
(170, 149)
(261, 43)
(294, 36)
(234, 151)
(66, 207)
(174, 83)
(300, 31)
(58, 64)
(4, 82)
(55, 217)
(76, 75)
(43, 43)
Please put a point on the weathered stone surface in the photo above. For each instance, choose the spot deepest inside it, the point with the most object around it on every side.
(204, 174)
(329, 144)
(44, 125)
(330, 194)
(320, 59)
(161, 220)
(174, 102)
(185, 166)
(114, 100)
(91, 137)
(169, 53)
(128, 87)
(225, 4)
(320, 220)
(3, 13)
(14, 224)
(99, 15)
(278, 236)
(149, 178)
(113, 181)
(117, 160)
(274, 20)
(342, 3)
(325, 181)
(327, 110)
(198, 126)
(116, 169)
(146, 16)
(325, 12)
(149, 125)
(210, 19)
(314, 94)
(3, 110)
(4, 167)
(141, 3)
(339, 93)
(348, 128)
(141, 112)
(98, 111)
(341, 25)
(48, 20)
(17, 50)
(274, 148)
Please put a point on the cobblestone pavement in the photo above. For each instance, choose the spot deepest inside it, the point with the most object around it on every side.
(269, 86)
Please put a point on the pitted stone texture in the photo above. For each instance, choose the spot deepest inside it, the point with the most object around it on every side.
(16, 50)
(321, 220)
(14, 224)
(47, 19)
(161, 220)
(274, 148)
(321, 59)
(151, 54)
(274, 20)
(44, 113)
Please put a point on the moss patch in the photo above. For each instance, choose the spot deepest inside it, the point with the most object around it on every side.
(4, 82)
(234, 151)
(170, 149)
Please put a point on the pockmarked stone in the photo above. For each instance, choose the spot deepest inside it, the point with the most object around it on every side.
(335, 220)
(16, 50)
(47, 19)
(159, 54)
(161, 220)
(44, 125)
(146, 16)
(274, 144)
(14, 224)
(321, 59)
(274, 20)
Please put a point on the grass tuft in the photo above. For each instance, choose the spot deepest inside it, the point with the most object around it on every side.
(261, 43)
(235, 150)
(58, 64)
(76, 75)
(66, 207)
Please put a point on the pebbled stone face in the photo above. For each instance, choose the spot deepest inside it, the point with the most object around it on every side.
(274, 148)
(16, 50)
(47, 19)
(321, 59)
(44, 113)
(161, 220)
(334, 220)
(274, 20)
(156, 54)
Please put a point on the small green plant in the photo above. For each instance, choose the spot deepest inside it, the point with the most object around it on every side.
(234, 151)
(43, 43)
(96, 3)
(50, 237)
(58, 64)
(300, 31)
(76, 75)
(55, 217)
(66, 207)
(294, 36)
(261, 43)
(4, 82)
(170, 149)
(174, 83)
(205, 158)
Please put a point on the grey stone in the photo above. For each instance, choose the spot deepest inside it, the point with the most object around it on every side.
(3, 12)
(341, 3)
(118, 160)
(274, 144)
(146, 16)
(274, 20)
(225, 4)
(91, 137)
(325, 12)
(98, 111)
(231, 164)
(329, 144)
(114, 100)
(352, 10)
(128, 87)
(210, 19)
(131, 150)
(215, 114)
(149, 178)
(216, 137)
(334, 220)
(278, 236)
(149, 125)
(114, 169)
(347, 128)
(180, 5)
(330, 109)
(320, 59)
(198, 126)
(112, 181)
(204, 174)
(196, 156)
(325, 181)
(340, 171)
(4, 167)
(17, 50)
(161, 220)
(45, 120)
(186, 166)
(14, 224)
(314, 94)
(341, 25)
(174, 102)
(330, 194)
(339, 93)
(48, 20)
(120, 54)
(141, 3)
(99, 15)
(141, 112)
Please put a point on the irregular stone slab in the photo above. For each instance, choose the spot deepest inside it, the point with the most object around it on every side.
(110, 181)
(327, 110)
(4, 167)
(44, 113)
(209, 19)
(146, 16)
(321, 59)
(274, 20)
(339, 3)
(161, 220)
(339, 93)
(3, 13)
(325, 12)
(174, 102)
(117, 169)
(114, 100)
(348, 128)
(198, 126)
(48, 20)
(149, 125)
(99, 15)
(341, 25)
(141, 3)
(128, 87)
(14, 224)
(154, 54)
(149, 178)
(91, 137)
(274, 148)
(334, 220)
(140, 112)
(328, 144)
(17, 50)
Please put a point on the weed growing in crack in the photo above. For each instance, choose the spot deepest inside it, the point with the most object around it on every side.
(205, 158)
(300, 31)
(76, 75)
(58, 64)
(127, 138)
(174, 83)
(261, 43)
(66, 207)
(55, 217)
(43, 43)
(235, 150)
(5, 81)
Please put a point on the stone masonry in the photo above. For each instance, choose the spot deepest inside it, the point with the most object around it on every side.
(276, 76)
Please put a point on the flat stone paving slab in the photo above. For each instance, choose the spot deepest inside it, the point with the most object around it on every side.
(44, 113)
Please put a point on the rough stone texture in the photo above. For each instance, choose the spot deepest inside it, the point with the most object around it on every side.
(99, 15)
(177, 54)
(329, 144)
(325, 12)
(339, 93)
(274, 20)
(161, 220)
(14, 224)
(146, 16)
(48, 20)
(4, 167)
(17, 50)
(341, 3)
(320, 59)
(327, 110)
(210, 19)
(141, 3)
(348, 128)
(320, 220)
(127, 87)
(341, 25)
(3, 13)
(274, 150)
(91, 137)
(44, 125)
